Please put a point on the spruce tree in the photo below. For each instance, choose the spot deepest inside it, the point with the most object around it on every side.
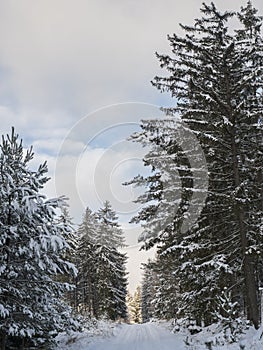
(70, 255)
(135, 306)
(149, 291)
(112, 276)
(129, 305)
(87, 262)
(110, 231)
(32, 248)
(102, 279)
(215, 77)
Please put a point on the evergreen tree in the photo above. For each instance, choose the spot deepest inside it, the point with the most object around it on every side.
(149, 286)
(102, 279)
(71, 238)
(166, 290)
(160, 292)
(129, 300)
(112, 276)
(216, 78)
(135, 306)
(87, 262)
(110, 231)
(32, 249)
(111, 283)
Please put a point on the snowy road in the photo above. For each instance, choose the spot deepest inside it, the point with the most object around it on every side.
(141, 337)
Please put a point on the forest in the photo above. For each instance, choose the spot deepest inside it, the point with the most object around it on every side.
(202, 206)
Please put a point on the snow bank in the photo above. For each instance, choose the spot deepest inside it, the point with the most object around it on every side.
(93, 331)
(215, 337)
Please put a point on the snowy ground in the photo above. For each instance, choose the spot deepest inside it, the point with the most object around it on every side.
(152, 336)
(93, 333)
(129, 337)
(141, 337)
(250, 340)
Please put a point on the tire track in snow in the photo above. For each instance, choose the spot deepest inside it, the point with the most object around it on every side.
(141, 337)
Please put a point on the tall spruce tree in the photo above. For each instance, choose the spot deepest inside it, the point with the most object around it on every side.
(112, 276)
(136, 306)
(149, 291)
(87, 262)
(216, 79)
(32, 250)
(102, 279)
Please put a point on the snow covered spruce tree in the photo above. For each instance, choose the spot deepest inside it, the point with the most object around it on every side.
(135, 306)
(149, 287)
(70, 254)
(112, 276)
(110, 231)
(32, 246)
(168, 200)
(86, 294)
(102, 280)
(216, 79)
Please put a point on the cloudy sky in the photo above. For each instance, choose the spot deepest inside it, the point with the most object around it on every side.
(75, 82)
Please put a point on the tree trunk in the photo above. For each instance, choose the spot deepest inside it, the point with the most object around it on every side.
(249, 269)
(94, 301)
(2, 341)
(250, 278)
(22, 344)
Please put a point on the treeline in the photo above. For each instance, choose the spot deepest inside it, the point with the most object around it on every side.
(45, 264)
(210, 269)
(101, 284)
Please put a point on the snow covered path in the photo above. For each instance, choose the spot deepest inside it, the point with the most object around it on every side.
(141, 337)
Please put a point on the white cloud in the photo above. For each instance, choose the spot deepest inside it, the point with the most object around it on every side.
(33, 125)
(86, 54)
(96, 175)
(59, 59)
